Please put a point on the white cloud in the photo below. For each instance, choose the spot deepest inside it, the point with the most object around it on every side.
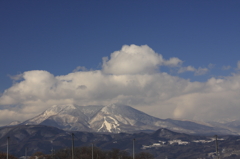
(211, 66)
(129, 77)
(135, 59)
(201, 71)
(16, 77)
(185, 69)
(40, 89)
(132, 60)
(226, 67)
(173, 62)
(218, 99)
(238, 65)
(197, 72)
(80, 68)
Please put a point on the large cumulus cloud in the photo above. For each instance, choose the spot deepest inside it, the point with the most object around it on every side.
(130, 76)
(136, 60)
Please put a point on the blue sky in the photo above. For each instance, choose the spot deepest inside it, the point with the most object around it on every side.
(58, 36)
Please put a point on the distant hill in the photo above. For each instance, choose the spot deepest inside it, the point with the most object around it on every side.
(160, 143)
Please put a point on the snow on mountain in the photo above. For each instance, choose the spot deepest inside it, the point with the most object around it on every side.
(114, 118)
(109, 126)
(14, 123)
(54, 110)
(128, 115)
(121, 118)
(67, 117)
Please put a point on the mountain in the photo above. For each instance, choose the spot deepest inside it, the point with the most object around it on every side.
(67, 117)
(14, 123)
(233, 124)
(115, 118)
(160, 143)
(112, 118)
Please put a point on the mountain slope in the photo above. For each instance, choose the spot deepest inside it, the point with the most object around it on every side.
(121, 118)
(67, 117)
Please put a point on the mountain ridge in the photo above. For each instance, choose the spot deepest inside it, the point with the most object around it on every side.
(116, 118)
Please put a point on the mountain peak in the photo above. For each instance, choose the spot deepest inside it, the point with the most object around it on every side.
(114, 108)
(115, 105)
(56, 109)
(62, 107)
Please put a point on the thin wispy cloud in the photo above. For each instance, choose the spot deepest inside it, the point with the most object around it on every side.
(16, 77)
(80, 68)
(197, 72)
(226, 67)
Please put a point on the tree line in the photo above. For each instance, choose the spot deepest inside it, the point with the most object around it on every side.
(86, 153)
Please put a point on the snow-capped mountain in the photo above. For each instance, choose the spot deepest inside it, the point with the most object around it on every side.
(114, 118)
(111, 118)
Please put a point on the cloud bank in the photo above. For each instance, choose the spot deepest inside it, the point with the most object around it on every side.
(131, 76)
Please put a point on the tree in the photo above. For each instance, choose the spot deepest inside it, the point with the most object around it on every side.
(144, 155)
(116, 154)
(63, 154)
(40, 155)
(86, 153)
(4, 155)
